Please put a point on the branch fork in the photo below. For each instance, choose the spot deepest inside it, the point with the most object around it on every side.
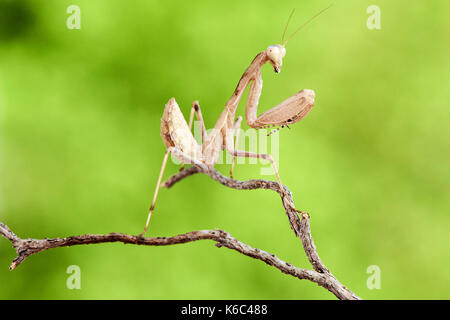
(301, 227)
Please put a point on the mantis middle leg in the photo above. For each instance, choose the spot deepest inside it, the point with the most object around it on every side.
(196, 109)
(236, 131)
(231, 148)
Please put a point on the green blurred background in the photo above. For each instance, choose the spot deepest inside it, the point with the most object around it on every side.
(80, 147)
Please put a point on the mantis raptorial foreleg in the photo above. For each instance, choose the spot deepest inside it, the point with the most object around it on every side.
(287, 112)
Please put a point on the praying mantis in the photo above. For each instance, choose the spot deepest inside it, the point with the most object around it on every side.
(180, 142)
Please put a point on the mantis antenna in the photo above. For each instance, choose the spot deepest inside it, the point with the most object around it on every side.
(287, 24)
(304, 24)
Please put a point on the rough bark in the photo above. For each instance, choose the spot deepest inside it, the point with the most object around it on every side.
(300, 225)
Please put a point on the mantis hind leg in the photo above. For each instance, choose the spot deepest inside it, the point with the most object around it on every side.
(185, 158)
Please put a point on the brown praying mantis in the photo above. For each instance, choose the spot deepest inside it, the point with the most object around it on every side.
(180, 142)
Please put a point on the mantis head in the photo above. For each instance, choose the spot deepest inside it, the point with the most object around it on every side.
(276, 54)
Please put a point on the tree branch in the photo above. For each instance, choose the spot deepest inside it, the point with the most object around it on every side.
(301, 227)
(301, 230)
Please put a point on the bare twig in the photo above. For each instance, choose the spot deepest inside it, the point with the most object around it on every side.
(301, 227)
(320, 275)
(301, 230)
